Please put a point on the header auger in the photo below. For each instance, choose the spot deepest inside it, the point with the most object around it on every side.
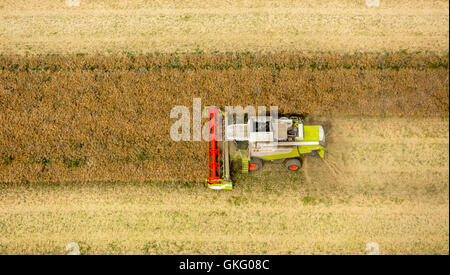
(218, 152)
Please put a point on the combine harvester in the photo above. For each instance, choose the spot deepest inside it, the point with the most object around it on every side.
(261, 138)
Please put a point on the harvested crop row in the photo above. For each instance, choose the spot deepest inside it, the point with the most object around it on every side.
(104, 119)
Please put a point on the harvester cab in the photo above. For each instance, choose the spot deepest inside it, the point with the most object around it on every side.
(258, 140)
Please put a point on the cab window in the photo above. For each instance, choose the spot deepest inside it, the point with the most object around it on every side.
(263, 126)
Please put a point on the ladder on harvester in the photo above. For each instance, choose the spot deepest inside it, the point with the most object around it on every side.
(244, 164)
(218, 151)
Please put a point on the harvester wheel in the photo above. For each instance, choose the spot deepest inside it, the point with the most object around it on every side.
(255, 165)
(293, 164)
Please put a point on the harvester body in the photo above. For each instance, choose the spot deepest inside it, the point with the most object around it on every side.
(264, 138)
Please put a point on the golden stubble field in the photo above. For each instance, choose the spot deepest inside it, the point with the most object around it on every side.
(167, 26)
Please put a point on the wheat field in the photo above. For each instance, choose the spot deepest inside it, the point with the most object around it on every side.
(108, 118)
(85, 151)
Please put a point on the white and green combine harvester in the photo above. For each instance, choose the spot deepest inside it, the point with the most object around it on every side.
(284, 140)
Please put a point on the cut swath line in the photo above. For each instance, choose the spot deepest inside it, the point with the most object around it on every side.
(335, 171)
